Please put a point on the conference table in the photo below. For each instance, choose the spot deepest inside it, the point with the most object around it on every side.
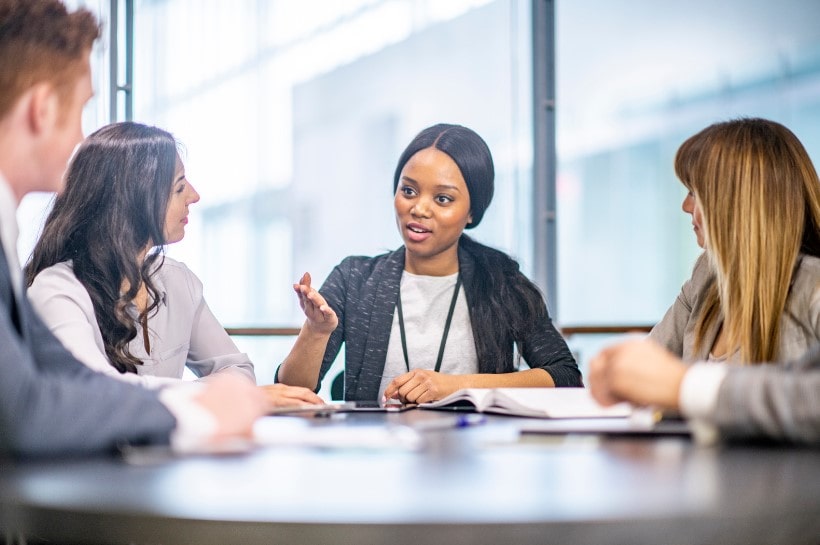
(422, 477)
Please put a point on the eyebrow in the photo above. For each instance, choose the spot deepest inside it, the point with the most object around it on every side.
(181, 177)
(438, 187)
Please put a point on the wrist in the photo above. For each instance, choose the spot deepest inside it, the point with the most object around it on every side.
(312, 331)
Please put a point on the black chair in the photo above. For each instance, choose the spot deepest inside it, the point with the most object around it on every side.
(337, 387)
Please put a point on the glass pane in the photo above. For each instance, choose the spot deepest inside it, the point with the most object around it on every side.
(294, 114)
(634, 80)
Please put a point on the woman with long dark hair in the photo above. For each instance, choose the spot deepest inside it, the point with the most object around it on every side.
(441, 313)
(100, 280)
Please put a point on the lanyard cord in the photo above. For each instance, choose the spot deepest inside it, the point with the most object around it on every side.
(443, 336)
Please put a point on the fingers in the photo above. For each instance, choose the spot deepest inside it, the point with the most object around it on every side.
(312, 302)
(318, 303)
(639, 371)
(392, 390)
(282, 395)
(234, 403)
(599, 385)
(417, 386)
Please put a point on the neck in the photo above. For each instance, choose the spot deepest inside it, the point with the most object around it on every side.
(443, 264)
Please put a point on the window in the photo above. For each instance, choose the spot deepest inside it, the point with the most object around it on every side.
(294, 114)
(634, 80)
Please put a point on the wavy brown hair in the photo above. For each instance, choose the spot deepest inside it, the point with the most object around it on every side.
(759, 195)
(111, 210)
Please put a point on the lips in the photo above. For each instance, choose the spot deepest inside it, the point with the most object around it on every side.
(417, 232)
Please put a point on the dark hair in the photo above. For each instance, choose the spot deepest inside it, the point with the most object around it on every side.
(499, 293)
(469, 152)
(41, 41)
(504, 304)
(111, 210)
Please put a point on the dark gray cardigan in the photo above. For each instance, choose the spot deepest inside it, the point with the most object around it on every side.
(363, 293)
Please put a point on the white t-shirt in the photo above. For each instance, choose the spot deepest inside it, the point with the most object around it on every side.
(425, 302)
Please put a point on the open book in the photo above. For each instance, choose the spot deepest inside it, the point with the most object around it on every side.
(538, 402)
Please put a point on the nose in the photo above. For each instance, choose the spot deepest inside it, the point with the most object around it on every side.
(421, 209)
(688, 205)
(194, 196)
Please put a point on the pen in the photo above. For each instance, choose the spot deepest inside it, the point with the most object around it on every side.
(460, 421)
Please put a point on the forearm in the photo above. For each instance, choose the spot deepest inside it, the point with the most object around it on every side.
(530, 378)
(767, 401)
(303, 364)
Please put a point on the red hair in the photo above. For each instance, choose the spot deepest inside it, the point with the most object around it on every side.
(40, 41)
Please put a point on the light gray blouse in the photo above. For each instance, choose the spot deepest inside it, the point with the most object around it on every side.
(183, 332)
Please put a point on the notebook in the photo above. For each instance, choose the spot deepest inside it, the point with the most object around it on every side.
(533, 402)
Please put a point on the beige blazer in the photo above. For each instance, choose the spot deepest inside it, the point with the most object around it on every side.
(799, 325)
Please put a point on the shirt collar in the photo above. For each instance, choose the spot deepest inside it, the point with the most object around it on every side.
(9, 231)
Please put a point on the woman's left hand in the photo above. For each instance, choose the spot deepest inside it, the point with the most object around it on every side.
(282, 395)
(422, 386)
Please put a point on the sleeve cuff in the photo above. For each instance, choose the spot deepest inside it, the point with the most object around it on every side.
(698, 399)
(195, 425)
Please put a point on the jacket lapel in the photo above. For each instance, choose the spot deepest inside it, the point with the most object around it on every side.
(7, 294)
(384, 285)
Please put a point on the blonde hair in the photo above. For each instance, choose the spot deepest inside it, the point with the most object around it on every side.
(760, 199)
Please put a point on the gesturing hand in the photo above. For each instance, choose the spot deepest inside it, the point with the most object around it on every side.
(321, 318)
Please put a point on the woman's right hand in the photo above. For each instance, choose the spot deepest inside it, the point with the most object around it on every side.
(638, 371)
(321, 319)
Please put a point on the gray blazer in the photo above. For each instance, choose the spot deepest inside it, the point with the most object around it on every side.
(777, 401)
(799, 324)
(363, 292)
(51, 404)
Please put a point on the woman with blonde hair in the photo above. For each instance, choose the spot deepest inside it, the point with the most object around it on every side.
(754, 295)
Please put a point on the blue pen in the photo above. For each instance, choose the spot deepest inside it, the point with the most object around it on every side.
(465, 420)
(460, 421)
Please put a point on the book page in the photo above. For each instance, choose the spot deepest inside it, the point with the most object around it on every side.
(479, 397)
(554, 403)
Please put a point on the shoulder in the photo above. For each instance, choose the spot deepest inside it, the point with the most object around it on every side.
(57, 279)
(478, 259)
(58, 284)
(806, 282)
(702, 271)
(359, 268)
(808, 271)
(367, 264)
(697, 284)
(358, 276)
(175, 277)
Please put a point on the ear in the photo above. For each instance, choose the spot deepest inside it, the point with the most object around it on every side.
(470, 218)
(42, 109)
